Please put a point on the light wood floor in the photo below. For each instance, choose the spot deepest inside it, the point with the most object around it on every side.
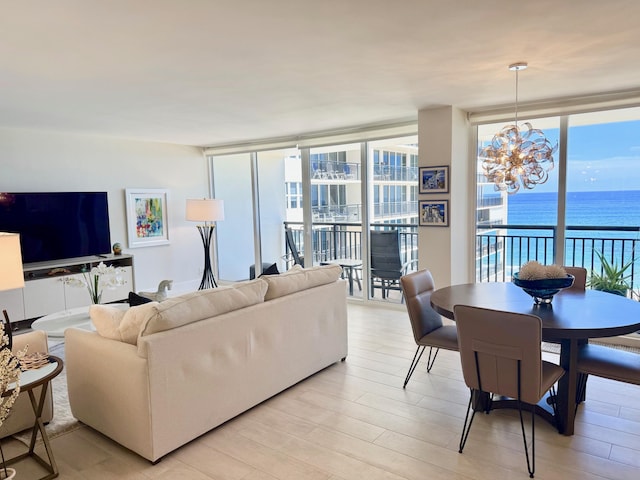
(353, 420)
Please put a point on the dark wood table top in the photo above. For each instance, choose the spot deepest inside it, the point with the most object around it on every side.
(573, 314)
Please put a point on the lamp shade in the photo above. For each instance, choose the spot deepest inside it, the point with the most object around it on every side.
(205, 210)
(11, 273)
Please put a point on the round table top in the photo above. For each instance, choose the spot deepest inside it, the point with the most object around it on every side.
(35, 377)
(573, 314)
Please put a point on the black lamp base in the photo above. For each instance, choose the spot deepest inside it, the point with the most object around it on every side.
(208, 280)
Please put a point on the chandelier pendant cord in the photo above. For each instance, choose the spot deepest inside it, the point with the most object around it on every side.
(516, 108)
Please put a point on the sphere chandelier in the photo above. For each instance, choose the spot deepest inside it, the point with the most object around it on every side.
(518, 155)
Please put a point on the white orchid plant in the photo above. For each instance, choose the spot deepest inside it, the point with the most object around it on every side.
(98, 279)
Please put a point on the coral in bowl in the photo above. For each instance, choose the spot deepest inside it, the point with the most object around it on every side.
(542, 290)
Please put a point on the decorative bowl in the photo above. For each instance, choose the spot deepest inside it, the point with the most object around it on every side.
(544, 289)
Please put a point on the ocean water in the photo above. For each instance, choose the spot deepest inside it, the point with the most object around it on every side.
(584, 209)
(618, 208)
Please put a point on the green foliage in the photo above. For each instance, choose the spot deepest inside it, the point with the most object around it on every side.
(612, 279)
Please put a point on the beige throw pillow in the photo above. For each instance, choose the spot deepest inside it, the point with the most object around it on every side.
(134, 319)
(106, 319)
(298, 279)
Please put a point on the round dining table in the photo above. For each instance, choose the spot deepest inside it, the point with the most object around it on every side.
(573, 317)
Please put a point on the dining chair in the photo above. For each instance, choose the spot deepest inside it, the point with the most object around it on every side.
(386, 261)
(297, 258)
(606, 362)
(428, 328)
(580, 277)
(501, 354)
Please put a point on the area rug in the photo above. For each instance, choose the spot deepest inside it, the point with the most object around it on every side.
(62, 421)
(555, 347)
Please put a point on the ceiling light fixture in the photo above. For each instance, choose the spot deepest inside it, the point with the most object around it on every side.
(518, 156)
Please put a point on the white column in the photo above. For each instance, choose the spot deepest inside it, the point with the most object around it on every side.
(445, 139)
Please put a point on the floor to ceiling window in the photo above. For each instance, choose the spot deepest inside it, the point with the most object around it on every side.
(597, 216)
(234, 235)
(603, 190)
(394, 209)
(339, 177)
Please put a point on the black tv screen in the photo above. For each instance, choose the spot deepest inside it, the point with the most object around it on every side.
(57, 225)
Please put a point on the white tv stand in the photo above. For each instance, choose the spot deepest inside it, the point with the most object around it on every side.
(46, 289)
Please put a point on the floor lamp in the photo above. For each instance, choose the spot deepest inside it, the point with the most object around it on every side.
(208, 211)
(11, 274)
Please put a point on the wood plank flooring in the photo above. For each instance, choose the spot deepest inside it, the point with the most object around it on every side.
(353, 420)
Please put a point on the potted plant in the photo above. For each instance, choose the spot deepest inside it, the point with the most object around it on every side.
(612, 279)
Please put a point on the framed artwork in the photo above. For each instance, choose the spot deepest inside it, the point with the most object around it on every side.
(434, 179)
(434, 213)
(147, 224)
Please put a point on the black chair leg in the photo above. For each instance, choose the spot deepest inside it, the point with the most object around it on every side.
(581, 390)
(431, 361)
(414, 363)
(465, 428)
(531, 464)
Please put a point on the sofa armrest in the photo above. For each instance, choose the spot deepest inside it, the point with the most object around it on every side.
(36, 339)
(108, 384)
(21, 416)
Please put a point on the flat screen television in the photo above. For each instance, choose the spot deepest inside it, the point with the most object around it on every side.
(57, 225)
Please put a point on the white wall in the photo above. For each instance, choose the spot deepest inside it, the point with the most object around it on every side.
(443, 134)
(32, 161)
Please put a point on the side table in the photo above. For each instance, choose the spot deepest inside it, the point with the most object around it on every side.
(349, 265)
(29, 380)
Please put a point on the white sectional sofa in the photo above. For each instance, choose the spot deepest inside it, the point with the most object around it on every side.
(161, 374)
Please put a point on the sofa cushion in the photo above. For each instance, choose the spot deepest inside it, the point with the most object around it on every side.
(133, 321)
(298, 278)
(177, 311)
(106, 319)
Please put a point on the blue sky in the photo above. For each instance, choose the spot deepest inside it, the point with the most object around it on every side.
(601, 157)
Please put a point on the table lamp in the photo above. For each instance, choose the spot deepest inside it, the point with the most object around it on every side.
(11, 274)
(208, 211)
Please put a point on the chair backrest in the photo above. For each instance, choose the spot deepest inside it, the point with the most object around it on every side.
(417, 288)
(385, 254)
(291, 244)
(494, 345)
(580, 274)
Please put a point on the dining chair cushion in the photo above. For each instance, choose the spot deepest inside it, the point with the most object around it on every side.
(444, 337)
(608, 362)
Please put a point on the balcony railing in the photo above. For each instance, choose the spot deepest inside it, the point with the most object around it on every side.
(328, 170)
(338, 240)
(500, 251)
(350, 213)
(503, 249)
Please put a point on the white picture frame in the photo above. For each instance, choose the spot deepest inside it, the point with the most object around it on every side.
(147, 224)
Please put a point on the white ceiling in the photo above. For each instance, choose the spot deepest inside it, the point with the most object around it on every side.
(207, 72)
